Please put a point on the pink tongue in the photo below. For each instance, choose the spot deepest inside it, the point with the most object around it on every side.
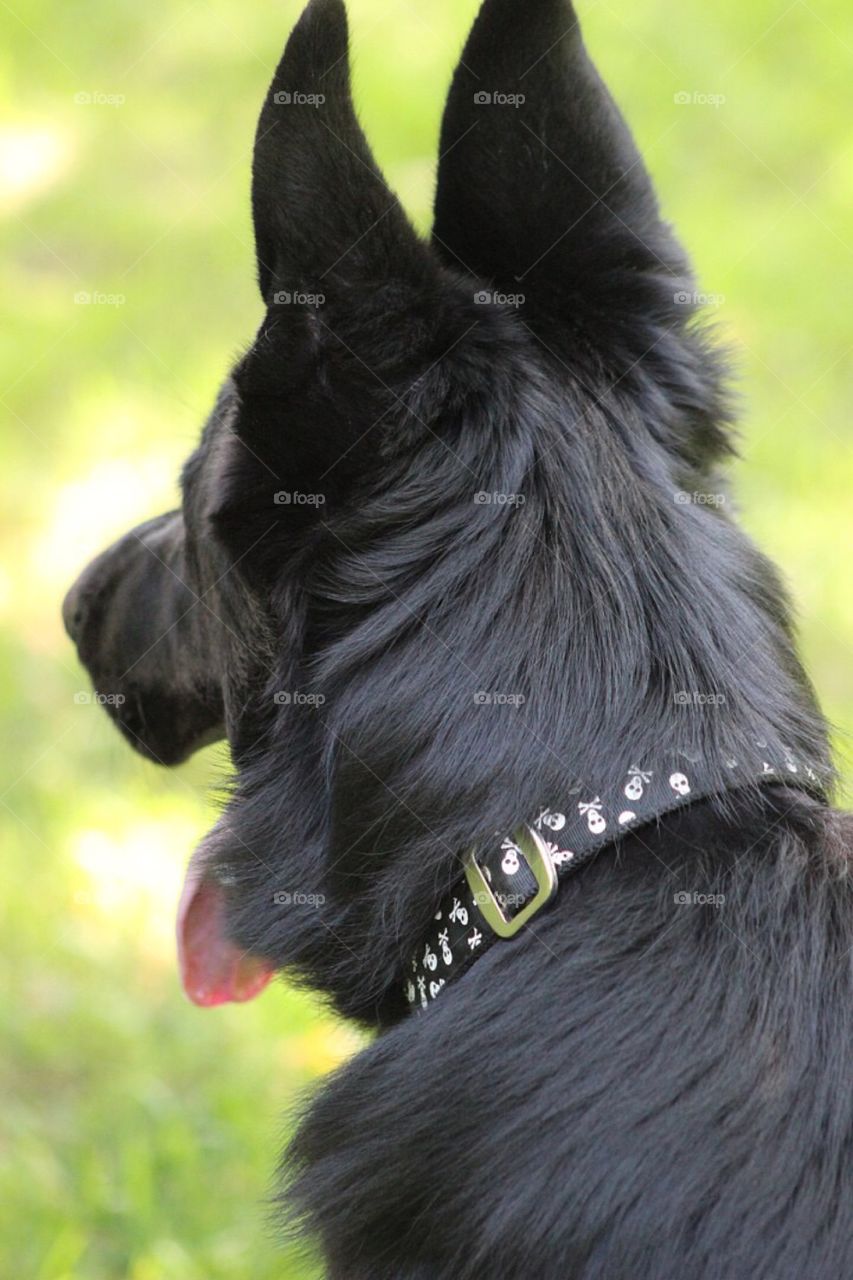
(213, 970)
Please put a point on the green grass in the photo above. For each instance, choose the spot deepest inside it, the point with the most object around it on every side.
(138, 1134)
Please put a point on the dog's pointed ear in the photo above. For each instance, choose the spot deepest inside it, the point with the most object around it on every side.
(322, 211)
(359, 310)
(541, 189)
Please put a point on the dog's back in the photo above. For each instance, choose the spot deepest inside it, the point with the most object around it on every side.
(636, 1089)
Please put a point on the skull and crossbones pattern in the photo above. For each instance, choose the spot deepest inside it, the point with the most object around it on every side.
(567, 837)
(591, 810)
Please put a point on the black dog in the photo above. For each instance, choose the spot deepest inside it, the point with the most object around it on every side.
(454, 558)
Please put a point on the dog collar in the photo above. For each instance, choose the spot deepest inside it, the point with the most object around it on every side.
(514, 877)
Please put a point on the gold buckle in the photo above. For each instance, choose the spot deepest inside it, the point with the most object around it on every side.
(532, 848)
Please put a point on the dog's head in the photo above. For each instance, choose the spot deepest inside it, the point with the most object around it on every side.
(438, 487)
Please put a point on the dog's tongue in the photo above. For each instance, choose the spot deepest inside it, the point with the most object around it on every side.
(213, 970)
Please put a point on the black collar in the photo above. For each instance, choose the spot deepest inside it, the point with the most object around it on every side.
(509, 881)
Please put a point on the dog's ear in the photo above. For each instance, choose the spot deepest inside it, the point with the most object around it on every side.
(323, 214)
(358, 307)
(541, 189)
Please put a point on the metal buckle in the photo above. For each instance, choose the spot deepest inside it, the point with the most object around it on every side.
(535, 854)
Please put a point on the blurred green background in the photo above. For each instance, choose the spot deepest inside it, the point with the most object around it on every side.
(138, 1134)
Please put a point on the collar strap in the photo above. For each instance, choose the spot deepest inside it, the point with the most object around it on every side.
(509, 881)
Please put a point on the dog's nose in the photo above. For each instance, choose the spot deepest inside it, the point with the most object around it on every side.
(74, 611)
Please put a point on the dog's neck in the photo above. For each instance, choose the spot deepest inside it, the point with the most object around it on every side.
(480, 659)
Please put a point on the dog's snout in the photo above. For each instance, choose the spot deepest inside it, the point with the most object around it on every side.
(131, 617)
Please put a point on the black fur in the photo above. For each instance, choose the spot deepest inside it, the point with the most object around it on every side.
(631, 1087)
